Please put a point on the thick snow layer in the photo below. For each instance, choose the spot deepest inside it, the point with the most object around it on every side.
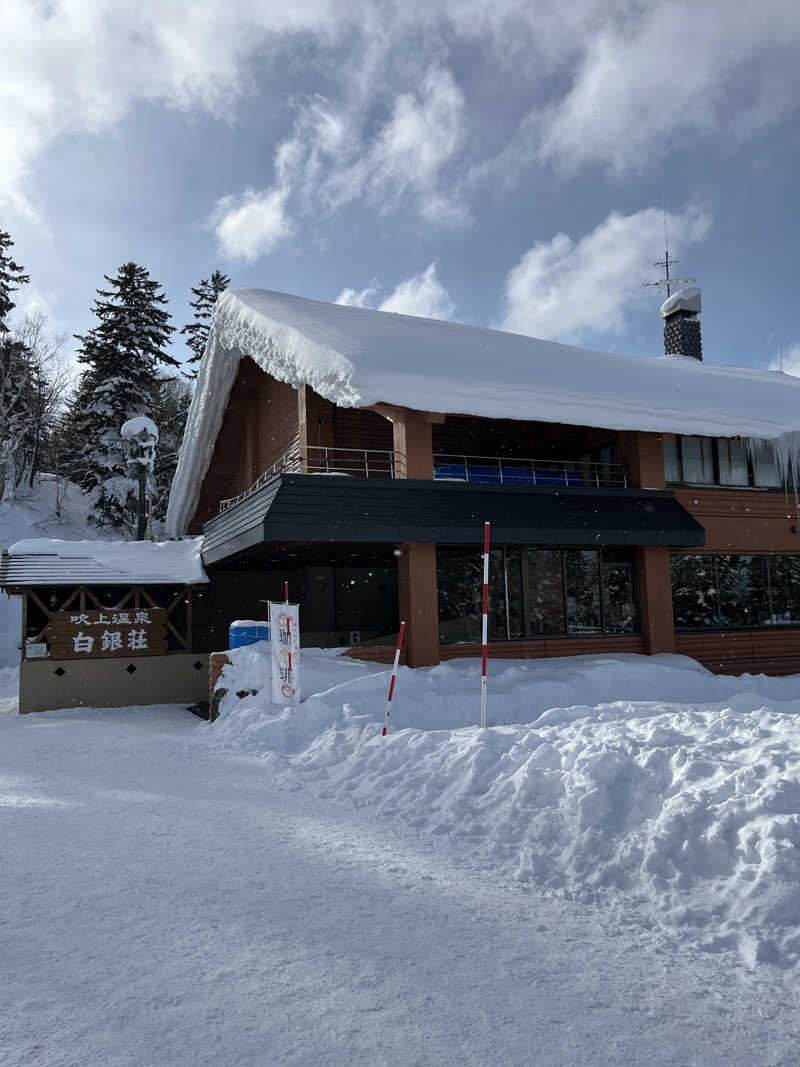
(356, 357)
(139, 425)
(638, 781)
(687, 299)
(51, 508)
(166, 901)
(122, 561)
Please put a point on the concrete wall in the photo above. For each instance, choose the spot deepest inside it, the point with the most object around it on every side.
(181, 678)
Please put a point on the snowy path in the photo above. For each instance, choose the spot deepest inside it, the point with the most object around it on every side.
(168, 904)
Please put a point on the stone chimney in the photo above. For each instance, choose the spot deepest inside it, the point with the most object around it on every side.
(681, 325)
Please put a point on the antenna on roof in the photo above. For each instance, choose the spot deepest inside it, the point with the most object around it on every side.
(667, 282)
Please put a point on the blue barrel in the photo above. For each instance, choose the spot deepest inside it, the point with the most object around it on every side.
(247, 632)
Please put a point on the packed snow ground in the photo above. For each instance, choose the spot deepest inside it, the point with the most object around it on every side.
(166, 901)
(628, 780)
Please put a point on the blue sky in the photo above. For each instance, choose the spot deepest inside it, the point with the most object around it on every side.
(500, 163)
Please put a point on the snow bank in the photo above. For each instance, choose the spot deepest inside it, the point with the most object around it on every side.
(356, 357)
(642, 781)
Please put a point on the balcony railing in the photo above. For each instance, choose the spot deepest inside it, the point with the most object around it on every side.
(481, 470)
(321, 459)
(508, 470)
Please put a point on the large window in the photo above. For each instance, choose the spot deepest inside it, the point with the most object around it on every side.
(719, 461)
(735, 592)
(536, 592)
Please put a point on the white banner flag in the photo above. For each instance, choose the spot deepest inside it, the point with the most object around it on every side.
(284, 637)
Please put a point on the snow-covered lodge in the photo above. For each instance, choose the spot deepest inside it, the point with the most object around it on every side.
(636, 504)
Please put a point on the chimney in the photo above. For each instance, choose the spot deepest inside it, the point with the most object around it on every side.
(681, 325)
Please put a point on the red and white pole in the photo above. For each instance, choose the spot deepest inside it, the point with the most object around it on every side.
(485, 627)
(394, 676)
(286, 592)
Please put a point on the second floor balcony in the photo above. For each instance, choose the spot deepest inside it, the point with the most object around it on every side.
(480, 470)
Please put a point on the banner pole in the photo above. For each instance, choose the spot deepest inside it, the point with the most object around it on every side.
(485, 621)
(394, 676)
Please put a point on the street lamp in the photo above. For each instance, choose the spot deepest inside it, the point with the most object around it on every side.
(141, 434)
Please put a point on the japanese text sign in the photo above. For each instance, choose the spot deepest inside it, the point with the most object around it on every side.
(121, 632)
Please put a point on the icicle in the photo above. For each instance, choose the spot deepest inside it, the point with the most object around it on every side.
(785, 453)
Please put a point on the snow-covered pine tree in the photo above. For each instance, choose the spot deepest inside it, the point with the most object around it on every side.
(15, 374)
(196, 332)
(12, 276)
(171, 399)
(121, 355)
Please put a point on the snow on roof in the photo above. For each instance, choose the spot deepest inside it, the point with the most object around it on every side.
(41, 561)
(356, 357)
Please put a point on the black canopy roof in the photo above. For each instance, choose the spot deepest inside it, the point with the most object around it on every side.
(313, 508)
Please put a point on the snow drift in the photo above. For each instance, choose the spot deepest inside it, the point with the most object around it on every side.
(645, 782)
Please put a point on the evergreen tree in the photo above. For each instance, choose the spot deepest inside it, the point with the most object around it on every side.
(206, 295)
(15, 374)
(171, 399)
(121, 355)
(11, 278)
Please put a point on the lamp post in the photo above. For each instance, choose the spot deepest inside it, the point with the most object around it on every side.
(141, 434)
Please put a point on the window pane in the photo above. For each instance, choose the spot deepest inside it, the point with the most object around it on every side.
(765, 470)
(698, 464)
(460, 583)
(516, 613)
(583, 592)
(672, 463)
(742, 586)
(732, 462)
(545, 592)
(784, 573)
(497, 596)
(694, 592)
(619, 608)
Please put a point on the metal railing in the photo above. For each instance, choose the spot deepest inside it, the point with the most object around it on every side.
(481, 470)
(510, 470)
(323, 459)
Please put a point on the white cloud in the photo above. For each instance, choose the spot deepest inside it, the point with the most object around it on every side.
(653, 77)
(422, 135)
(569, 290)
(788, 361)
(359, 298)
(423, 294)
(251, 225)
(612, 81)
(80, 65)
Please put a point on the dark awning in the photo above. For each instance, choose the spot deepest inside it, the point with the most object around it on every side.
(310, 508)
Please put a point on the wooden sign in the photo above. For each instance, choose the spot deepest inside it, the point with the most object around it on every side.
(119, 633)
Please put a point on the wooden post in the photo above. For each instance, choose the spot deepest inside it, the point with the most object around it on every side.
(655, 599)
(642, 455)
(419, 603)
(24, 624)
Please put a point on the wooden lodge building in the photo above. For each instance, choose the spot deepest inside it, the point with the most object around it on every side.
(637, 505)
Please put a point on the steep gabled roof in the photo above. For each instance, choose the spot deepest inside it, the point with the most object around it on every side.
(356, 357)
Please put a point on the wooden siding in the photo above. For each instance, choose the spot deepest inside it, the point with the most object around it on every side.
(744, 651)
(742, 520)
(358, 428)
(260, 425)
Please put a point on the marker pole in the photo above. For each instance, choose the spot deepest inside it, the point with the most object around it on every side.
(394, 676)
(485, 628)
